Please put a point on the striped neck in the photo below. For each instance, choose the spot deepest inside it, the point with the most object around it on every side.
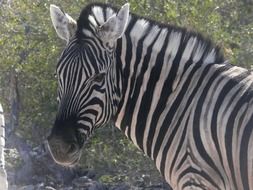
(151, 59)
(152, 56)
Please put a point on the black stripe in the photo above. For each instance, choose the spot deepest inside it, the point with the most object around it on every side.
(126, 72)
(201, 174)
(148, 95)
(224, 92)
(168, 85)
(179, 98)
(193, 185)
(183, 160)
(119, 72)
(138, 84)
(93, 61)
(248, 132)
(231, 121)
(95, 17)
(104, 14)
(179, 148)
(196, 127)
(131, 102)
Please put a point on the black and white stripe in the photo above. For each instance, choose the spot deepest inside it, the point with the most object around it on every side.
(170, 91)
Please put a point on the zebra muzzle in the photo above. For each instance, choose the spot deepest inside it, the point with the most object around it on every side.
(63, 153)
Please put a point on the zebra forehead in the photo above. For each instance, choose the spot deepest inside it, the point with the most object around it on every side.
(92, 21)
(95, 14)
(99, 15)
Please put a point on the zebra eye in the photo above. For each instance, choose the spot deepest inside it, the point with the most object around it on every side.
(99, 77)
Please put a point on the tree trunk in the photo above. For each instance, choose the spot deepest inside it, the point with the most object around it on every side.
(32, 164)
(3, 176)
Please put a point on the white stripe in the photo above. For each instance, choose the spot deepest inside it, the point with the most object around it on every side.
(109, 12)
(98, 12)
(198, 52)
(92, 20)
(185, 57)
(210, 58)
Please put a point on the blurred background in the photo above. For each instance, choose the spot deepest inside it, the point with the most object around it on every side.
(29, 51)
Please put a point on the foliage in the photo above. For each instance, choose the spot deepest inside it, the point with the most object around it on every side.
(30, 47)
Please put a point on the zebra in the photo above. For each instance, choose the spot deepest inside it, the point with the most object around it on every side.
(3, 176)
(168, 89)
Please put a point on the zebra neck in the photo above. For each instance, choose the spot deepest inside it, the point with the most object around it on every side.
(153, 59)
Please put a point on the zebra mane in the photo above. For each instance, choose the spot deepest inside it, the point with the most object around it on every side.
(199, 46)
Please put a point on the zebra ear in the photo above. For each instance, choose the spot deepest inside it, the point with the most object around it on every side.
(64, 24)
(115, 26)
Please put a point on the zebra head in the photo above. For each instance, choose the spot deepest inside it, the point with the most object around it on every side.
(88, 91)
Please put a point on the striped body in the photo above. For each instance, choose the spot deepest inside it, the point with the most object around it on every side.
(169, 90)
(193, 117)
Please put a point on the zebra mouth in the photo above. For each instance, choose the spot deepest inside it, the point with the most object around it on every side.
(72, 163)
(65, 154)
(65, 144)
